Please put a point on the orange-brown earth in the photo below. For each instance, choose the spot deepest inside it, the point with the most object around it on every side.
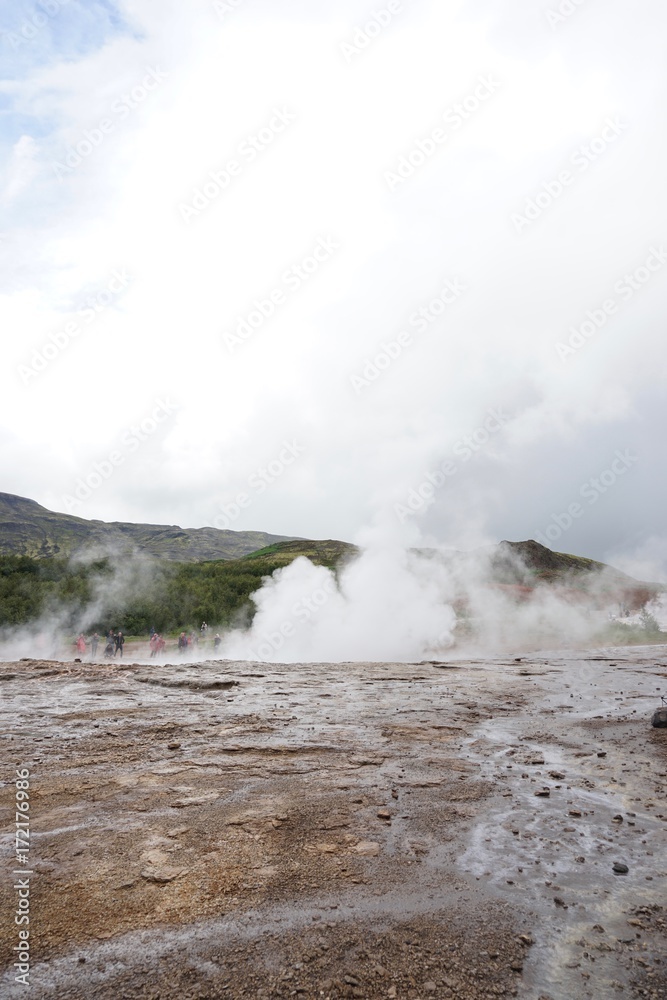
(422, 830)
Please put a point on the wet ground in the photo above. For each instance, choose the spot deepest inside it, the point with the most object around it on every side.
(421, 830)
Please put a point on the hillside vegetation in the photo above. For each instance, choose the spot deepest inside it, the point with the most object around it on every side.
(28, 529)
(138, 595)
(135, 594)
(94, 575)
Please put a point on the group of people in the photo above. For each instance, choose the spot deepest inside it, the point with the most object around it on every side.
(115, 641)
(189, 643)
(114, 644)
(186, 642)
(157, 643)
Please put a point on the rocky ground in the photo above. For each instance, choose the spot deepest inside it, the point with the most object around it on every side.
(456, 830)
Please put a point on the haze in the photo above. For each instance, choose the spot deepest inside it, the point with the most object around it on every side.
(397, 267)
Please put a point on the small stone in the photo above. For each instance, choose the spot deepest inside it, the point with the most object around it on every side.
(162, 873)
(173, 746)
(526, 939)
(391, 992)
(557, 775)
(429, 987)
(659, 720)
(580, 860)
(619, 868)
(543, 793)
(574, 812)
(367, 848)
(560, 902)
(383, 814)
(194, 800)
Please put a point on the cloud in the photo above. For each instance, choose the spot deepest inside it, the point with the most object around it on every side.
(221, 81)
(390, 604)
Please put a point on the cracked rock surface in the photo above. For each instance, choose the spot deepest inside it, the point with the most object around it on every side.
(471, 829)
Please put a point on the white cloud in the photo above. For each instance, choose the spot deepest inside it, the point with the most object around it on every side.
(324, 176)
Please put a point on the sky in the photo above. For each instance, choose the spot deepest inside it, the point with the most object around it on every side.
(330, 269)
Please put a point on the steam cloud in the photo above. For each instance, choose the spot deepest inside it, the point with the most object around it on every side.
(396, 604)
(388, 603)
(129, 574)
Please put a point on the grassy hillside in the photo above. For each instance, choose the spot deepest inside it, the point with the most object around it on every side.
(165, 595)
(325, 553)
(177, 584)
(28, 529)
(529, 561)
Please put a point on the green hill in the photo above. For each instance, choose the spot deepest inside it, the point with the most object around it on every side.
(518, 568)
(187, 576)
(529, 562)
(28, 529)
(164, 594)
(325, 553)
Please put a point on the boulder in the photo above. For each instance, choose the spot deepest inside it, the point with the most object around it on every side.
(659, 719)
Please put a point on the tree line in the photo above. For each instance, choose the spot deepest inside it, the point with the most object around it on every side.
(132, 597)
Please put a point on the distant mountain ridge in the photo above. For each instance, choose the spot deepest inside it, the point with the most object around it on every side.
(28, 529)
(519, 569)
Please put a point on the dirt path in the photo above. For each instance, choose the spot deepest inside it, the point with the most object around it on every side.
(350, 830)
